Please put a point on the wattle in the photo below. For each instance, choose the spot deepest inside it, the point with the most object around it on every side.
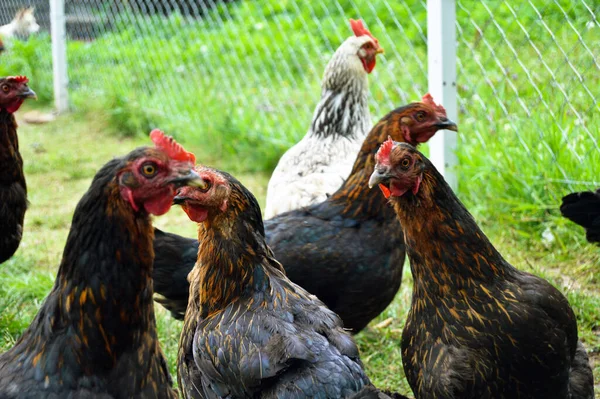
(14, 106)
(368, 65)
(158, 205)
(397, 191)
(196, 213)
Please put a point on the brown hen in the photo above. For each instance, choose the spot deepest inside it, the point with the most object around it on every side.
(95, 334)
(477, 326)
(250, 332)
(13, 189)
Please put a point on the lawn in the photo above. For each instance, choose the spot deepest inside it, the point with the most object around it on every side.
(61, 157)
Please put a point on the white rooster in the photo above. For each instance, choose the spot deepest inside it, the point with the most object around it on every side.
(317, 166)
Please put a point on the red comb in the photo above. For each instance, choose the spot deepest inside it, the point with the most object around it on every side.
(18, 79)
(173, 149)
(359, 29)
(383, 154)
(428, 99)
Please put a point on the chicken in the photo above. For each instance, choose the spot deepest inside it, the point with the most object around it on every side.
(358, 272)
(1, 46)
(95, 334)
(249, 331)
(584, 209)
(317, 165)
(13, 189)
(24, 24)
(477, 326)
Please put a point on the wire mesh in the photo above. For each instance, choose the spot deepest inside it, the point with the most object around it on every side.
(528, 94)
(528, 74)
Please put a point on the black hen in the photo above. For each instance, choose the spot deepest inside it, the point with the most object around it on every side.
(477, 327)
(95, 334)
(584, 209)
(13, 190)
(349, 249)
(249, 331)
(170, 283)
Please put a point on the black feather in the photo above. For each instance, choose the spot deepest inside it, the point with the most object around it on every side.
(584, 209)
(249, 331)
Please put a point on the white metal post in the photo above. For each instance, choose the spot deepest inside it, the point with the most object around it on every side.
(441, 57)
(59, 55)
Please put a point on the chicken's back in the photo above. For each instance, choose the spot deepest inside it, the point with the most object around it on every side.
(280, 342)
(309, 172)
(364, 266)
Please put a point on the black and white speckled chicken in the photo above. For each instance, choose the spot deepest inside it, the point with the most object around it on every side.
(318, 165)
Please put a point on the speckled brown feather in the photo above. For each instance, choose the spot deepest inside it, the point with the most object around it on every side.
(478, 327)
(250, 332)
(95, 334)
(13, 189)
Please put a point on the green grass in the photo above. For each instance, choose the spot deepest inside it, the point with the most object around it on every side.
(62, 157)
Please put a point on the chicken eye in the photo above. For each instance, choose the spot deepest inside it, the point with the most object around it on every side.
(208, 186)
(405, 163)
(420, 116)
(5, 88)
(149, 169)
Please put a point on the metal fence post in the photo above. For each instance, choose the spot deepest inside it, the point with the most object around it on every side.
(441, 61)
(59, 55)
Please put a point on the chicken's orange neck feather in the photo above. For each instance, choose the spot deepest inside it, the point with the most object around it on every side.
(231, 255)
(436, 223)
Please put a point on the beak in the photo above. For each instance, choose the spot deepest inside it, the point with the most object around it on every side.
(28, 93)
(191, 179)
(179, 200)
(378, 176)
(379, 50)
(447, 124)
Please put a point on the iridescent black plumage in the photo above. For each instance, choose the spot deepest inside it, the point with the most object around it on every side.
(584, 209)
(13, 189)
(477, 327)
(249, 331)
(95, 334)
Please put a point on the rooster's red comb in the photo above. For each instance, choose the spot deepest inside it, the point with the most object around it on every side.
(17, 79)
(359, 29)
(383, 154)
(428, 99)
(173, 149)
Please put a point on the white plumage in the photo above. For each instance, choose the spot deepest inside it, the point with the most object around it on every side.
(319, 163)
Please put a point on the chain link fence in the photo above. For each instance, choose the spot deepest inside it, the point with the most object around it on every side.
(245, 76)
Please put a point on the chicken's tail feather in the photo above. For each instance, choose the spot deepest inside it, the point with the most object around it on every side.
(581, 380)
(584, 209)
